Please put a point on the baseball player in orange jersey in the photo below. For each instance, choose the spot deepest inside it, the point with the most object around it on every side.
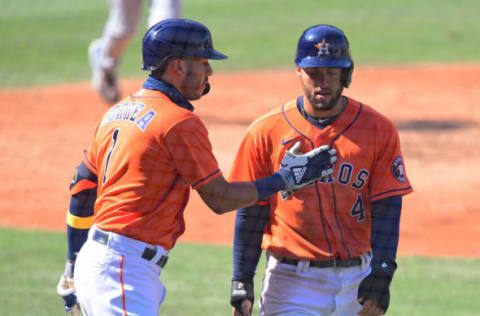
(330, 247)
(129, 192)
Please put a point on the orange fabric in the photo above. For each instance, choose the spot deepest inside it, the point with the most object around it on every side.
(82, 185)
(147, 152)
(332, 217)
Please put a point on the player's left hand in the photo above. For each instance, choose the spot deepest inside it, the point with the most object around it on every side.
(246, 309)
(66, 288)
(242, 296)
(375, 288)
(370, 308)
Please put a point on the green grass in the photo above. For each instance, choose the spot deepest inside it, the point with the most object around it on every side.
(197, 278)
(45, 42)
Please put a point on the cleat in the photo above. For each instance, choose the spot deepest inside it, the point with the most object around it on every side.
(104, 81)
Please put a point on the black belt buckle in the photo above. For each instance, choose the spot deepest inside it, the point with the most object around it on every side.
(149, 253)
(100, 237)
(162, 261)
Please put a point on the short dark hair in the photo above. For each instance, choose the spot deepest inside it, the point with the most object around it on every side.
(158, 73)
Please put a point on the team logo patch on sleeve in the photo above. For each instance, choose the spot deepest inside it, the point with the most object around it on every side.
(398, 169)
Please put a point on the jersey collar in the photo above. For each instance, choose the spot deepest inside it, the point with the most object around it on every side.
(169, 90)
(321, 123)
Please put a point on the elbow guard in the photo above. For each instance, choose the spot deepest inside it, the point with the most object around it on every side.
(83, 189)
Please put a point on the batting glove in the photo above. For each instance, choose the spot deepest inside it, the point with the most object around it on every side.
(241, 290)
(376, 286)
(66, 289)
(299, 170)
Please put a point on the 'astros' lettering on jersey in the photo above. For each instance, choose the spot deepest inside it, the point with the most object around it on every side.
(332, 217)
(146, 153)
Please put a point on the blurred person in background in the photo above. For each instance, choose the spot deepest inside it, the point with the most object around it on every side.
(104, 53)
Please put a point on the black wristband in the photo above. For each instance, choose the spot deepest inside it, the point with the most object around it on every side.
(241, 290)
(268, 186)
(386, 265)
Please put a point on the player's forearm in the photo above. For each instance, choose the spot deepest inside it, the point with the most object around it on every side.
(230, 196)
(249, 225)
(222, 196)
(75, 240)
(386, 226)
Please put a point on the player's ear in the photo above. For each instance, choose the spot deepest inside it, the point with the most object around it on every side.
(298, 70)
(177, 66)
(180, 66)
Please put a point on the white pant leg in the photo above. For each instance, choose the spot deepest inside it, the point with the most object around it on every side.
(119, 29)
(346, 300)
(117, 282)
(164, 9)
(291, 290)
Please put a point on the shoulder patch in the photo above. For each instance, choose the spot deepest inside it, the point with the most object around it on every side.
(398, 169)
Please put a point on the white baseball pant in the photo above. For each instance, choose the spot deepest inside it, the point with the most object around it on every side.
(303, 290)
(112, 278)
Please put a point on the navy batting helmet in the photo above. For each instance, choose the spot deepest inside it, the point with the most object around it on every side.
(325, 46)
(176, 38)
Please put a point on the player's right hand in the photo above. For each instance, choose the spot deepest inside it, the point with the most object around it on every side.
(299, 170)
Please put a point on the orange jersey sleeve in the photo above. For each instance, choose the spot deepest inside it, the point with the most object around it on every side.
(332, 217)
(251, 161)
(388, 177)
(147, 153)
(188, 144)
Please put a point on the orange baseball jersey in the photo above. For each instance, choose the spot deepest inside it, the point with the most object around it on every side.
(331, 218)
(146, 153)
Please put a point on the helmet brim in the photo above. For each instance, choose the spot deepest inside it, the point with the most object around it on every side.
(213, 54)
(315, 62)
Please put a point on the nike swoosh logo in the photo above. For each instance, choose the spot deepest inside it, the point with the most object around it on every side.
(285, 142)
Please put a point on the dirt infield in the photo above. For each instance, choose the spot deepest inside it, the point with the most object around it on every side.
(435, 107)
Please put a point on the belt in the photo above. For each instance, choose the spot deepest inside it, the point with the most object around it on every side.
(148, 253)
(335, 262)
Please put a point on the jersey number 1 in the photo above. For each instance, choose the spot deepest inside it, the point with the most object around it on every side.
(114, 138)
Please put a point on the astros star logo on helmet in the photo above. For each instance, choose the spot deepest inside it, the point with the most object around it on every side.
(323, 48)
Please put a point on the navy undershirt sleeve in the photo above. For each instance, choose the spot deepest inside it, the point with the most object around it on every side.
(249, 225)
(386, 226)
(268, 186)
(75, 240)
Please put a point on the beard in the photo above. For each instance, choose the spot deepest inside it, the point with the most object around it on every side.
(194, 85)
(320, 105)
(191, 87)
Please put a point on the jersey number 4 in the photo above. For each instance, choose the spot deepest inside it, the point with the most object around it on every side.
(114, 138)
(358, 209)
